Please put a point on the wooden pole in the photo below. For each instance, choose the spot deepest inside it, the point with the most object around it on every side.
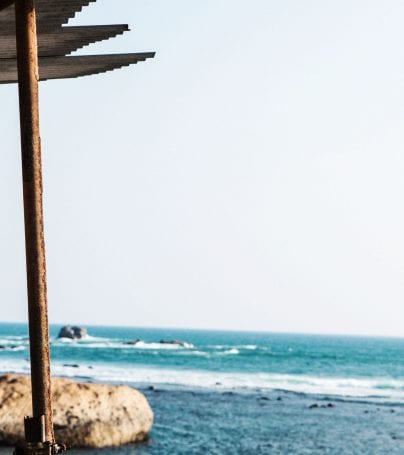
(27, 58)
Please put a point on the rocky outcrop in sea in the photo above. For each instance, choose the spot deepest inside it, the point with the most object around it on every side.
(85, 415)
(72, 332)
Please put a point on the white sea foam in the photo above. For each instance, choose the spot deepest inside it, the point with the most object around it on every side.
(13, 340)
(86, 339)
(359, 388)
(99, 345)
(14, 366)
(232, 351)
(13, 348)
(105, 343)
(156, 346)
(91, 338)
(244, 347)
(13, 343)
(65, 340)
(250, 347)
(189, 352)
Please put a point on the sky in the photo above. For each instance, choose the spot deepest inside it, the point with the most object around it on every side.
(250, 177)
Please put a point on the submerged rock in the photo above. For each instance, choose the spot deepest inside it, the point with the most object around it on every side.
(74, 333)
(174, 343)
(133, 343)
(85, 415)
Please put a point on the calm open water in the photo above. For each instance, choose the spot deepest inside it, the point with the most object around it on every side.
(242, 393)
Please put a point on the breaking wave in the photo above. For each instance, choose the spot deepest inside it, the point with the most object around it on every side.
(364, 388)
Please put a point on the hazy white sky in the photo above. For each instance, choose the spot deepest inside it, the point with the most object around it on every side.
(250, 177)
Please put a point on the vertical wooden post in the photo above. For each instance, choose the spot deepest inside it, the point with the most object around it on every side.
(27, 57)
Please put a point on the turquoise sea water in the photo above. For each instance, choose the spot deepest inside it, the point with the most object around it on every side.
(233, 392)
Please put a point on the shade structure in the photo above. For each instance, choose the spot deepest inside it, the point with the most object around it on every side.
(36, 44)
(56, 41)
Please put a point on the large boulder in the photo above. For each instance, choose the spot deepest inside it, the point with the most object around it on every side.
(85, 415)
(74, 333)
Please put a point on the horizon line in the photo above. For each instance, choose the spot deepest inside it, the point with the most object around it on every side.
(207, 329)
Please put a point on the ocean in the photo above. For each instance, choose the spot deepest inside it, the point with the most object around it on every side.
(240, 393)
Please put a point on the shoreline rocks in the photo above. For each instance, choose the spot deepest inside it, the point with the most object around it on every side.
(85, 415)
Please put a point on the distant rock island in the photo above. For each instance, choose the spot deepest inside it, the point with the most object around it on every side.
(85, 415)
(73, 332)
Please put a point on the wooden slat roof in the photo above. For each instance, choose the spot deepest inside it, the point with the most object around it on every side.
(57, 40)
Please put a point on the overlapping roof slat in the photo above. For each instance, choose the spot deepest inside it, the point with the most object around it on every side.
(69, 67)
(56, 41)
(51, 14)
(63, 41)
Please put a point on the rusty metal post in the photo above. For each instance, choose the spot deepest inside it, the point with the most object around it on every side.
(27, 58)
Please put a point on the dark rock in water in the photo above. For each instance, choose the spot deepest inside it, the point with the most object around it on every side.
(71, 365)
(174, 342)
(132, 343)
(326, 406)
(323, 406)
(264, 399)
(72, 332)
(279, 399)
(2, 347)
(218, 383)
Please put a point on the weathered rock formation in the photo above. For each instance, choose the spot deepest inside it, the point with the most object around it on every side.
(74, 333)
(85, 415)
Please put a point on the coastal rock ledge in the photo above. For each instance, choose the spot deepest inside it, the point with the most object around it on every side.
(85, 415)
